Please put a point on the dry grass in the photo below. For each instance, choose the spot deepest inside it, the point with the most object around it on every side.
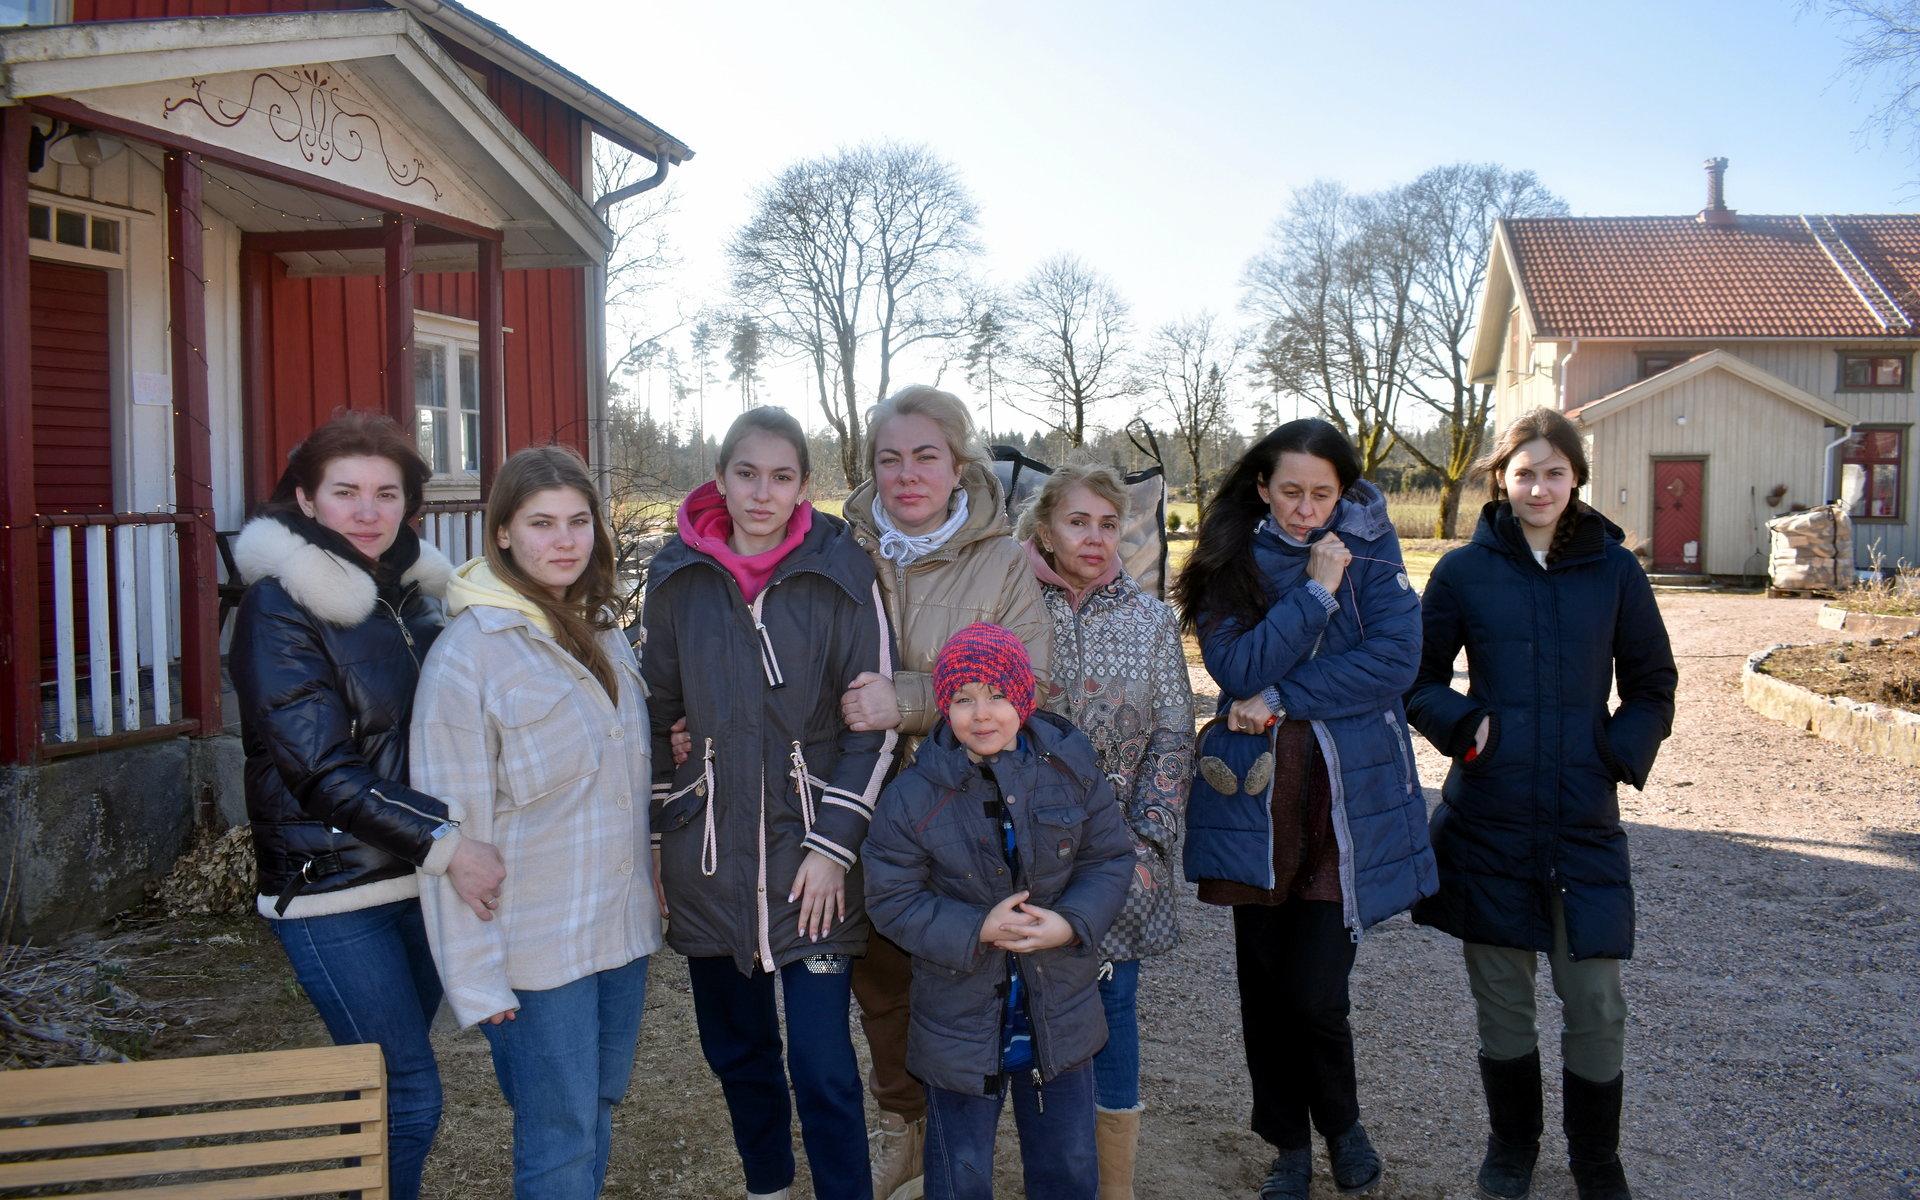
(1897, 595)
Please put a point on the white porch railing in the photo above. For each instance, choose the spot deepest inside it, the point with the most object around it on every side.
(127, 567)
(457, 528)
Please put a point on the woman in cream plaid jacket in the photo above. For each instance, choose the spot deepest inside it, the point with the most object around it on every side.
(531, 722)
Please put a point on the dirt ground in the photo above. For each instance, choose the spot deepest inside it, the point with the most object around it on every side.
(1880, 671)
(1774, 1046)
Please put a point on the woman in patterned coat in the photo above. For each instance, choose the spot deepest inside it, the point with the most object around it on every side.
(1119, 674)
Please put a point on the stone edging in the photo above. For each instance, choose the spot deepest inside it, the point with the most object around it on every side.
(1869, 728)
(1832, 616)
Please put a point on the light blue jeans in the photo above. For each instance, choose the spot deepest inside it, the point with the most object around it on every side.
(563, 1062)
(370, 974)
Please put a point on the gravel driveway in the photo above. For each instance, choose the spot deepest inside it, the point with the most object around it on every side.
(1774, 1047)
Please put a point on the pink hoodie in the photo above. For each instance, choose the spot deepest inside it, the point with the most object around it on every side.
(1044, 572)
(705, 526)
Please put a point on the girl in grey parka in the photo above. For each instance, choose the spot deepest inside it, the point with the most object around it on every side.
(758, 615)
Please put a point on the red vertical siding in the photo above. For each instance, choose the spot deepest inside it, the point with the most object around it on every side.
(326, 344)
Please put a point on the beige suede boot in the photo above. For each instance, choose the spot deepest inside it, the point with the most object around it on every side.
(899, 1154)
(1116, 1134)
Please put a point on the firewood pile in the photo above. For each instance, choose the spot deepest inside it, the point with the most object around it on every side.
(213, 878)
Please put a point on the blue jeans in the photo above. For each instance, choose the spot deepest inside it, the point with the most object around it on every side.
(1116, 1069)
(740, 1036)
(563, 1062)
(371, 976)
(1057, 1159)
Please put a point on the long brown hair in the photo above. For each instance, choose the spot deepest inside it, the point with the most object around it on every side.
(1562, 435)
(353, 434)
(588, 609)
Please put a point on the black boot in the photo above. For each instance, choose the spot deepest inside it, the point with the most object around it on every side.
(1513, 1114)
(1592, 1122)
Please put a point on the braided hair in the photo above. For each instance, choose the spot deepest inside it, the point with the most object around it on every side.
(1563, 436)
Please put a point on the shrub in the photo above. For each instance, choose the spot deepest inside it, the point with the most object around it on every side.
(1173, 522)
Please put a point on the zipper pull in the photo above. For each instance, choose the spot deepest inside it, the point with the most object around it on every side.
(1039, 1093)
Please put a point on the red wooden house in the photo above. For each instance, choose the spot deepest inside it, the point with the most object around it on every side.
(220, 220)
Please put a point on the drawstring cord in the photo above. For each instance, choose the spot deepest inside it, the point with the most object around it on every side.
(709, 836)
(803, 783)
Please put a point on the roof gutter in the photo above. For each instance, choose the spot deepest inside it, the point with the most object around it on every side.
(604, 204)
(1560, 372)
(1826, 466)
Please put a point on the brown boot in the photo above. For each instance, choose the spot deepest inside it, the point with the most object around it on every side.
(1116, 1134)
(898, 1157)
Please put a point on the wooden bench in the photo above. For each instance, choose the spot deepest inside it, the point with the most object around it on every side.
(229, 1127)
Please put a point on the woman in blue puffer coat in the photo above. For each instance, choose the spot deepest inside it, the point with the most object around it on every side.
(1308, 623)
(1552, 610)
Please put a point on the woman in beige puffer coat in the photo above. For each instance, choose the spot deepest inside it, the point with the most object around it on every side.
(932, 518)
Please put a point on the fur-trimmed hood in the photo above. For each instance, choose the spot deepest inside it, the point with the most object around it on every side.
(321, 581)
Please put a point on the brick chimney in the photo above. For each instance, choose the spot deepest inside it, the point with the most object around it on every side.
(1716, 213)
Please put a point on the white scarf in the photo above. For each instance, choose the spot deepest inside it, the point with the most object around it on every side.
(906, 548)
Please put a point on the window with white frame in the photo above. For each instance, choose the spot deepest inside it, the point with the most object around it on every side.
(446, 393)
(35, 12)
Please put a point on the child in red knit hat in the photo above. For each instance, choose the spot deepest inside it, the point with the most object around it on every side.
(998, 860)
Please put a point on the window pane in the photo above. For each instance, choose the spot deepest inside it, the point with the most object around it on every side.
(469, 381)
(469, 441)
(1888, 372)
(429, 375)
(106, 235)
(1883, 491)
(70, 228)
(40, 222)
(1883, 445)
(432, 426)
(1857, 372)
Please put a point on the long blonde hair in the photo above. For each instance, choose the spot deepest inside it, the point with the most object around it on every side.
(588, 609)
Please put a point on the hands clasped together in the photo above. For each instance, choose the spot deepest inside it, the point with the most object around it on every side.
(1021, 928)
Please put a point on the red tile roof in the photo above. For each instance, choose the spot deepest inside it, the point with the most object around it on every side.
(1765, 276)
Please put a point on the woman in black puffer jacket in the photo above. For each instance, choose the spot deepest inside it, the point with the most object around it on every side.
(1551, 610)
(341, 605)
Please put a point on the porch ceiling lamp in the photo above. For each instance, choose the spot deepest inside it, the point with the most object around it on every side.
(1680, 420)
(70, 145)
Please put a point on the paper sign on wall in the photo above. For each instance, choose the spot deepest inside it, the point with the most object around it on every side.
(152, 388)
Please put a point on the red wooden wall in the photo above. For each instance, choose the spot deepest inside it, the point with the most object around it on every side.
(326, 344)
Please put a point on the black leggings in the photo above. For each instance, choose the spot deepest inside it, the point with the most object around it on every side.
(1293, 962)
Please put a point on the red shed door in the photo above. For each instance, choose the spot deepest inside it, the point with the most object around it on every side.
(72, 419)
(1678, 502)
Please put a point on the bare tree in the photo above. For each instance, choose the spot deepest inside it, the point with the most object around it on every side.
(1454, 210)
(1068, 332)
(1335, 288)
(861, 248)
(1883, 42)
(1191, 362)
(639, 262)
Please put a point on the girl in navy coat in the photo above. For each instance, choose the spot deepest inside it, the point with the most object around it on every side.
(1552, 610)
(1308, 623)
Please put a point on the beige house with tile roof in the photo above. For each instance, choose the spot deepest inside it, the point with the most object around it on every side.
(1724, 369)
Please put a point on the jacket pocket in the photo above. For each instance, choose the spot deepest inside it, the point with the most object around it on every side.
(544, 747)
(1058, 833)
(1480, 760)
(1402, 751)
(1603, 749)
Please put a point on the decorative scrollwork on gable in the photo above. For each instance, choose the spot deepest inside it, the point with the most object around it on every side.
(311, 115)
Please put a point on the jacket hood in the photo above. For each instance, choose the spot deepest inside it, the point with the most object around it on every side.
(828, 548)
(475, 584)
(1049, 577)
(323, 581)
(944, 762)
(1499, 529)
(986, 513)
(705, 525)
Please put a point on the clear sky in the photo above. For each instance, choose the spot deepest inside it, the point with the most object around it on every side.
(1160, 141)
